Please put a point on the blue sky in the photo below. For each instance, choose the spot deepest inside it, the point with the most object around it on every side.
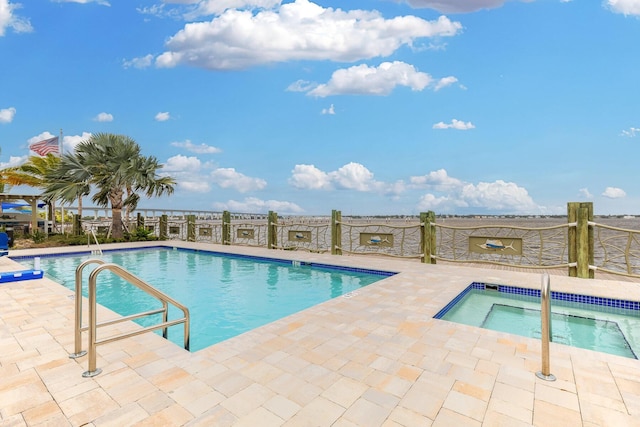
(368, 107)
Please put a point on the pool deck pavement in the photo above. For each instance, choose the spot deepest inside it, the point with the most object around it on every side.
(375, 357)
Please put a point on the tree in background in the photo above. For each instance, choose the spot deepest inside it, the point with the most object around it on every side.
(32, 173)
(113, 166)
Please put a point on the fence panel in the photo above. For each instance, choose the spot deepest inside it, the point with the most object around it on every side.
(544, 247)
(301, 236)
(396, 238)
(617, 250)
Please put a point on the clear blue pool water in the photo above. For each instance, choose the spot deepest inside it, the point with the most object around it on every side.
(226, 295)
(600, 324)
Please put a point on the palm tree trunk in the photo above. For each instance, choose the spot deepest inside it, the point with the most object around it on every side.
(127, 209)
(116, 214)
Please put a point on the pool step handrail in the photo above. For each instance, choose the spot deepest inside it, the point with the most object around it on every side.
(77, 327)
(545, 320)
(93, 324)
(95, 238)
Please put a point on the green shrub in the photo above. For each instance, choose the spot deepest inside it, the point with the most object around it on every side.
(140, 234)
(38, 236)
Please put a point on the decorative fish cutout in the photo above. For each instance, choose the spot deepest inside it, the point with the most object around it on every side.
(496, 244)
(376, 240)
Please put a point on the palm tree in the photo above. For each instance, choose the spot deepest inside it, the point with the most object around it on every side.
(66, 186)
(32, 173)
(111, 164)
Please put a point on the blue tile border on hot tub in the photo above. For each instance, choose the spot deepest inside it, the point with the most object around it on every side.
(555, 296)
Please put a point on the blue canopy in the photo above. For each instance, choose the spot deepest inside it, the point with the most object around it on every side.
(13, 205)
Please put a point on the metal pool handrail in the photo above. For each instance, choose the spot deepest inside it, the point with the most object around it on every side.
(78, 329)
(545, 317)
(93, 325)
(95, 238)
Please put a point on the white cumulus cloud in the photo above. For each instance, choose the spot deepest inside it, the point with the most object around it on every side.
(194, 186)
(444, 82)
(216, 7)
(585, 193)
(162, 117)
(309, 177)
(300, 30)
(352, 176)
(140, 62)
(455, 124)
(449, 194)
(198, 149)
(230, 178)
(182, 163)
(438, 180)
(190, 173)
(365, 80)
(430, 202)
(614, 193)
(69, 142)
(13, 161)
(498, 195)
(7, 114)
(103, 117)
(626, 7)
(9, 19)
(255, 205)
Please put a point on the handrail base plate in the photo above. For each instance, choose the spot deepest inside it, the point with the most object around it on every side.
(76, 355)
(542, 376)
(89, 374)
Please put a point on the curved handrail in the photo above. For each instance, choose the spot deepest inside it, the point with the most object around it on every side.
(95, 238)
(93, 325)
(78, 352)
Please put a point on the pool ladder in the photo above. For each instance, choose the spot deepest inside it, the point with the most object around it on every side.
(545, 320)
(93, 325)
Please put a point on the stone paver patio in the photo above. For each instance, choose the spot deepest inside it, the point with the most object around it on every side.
(373, 358)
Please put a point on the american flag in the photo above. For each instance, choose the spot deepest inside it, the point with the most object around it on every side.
(45, 146)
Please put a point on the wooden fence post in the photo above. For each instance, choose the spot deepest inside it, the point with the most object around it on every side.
(191, 228)
(427, 236)
(581, 242)
(585, 241)
(336, 232)
(163, 227)
(272, 230)
(572, 250)
(226, 228)
(139, 220)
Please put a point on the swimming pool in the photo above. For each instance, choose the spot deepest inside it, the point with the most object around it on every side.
(226, 294)
(595, 323)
